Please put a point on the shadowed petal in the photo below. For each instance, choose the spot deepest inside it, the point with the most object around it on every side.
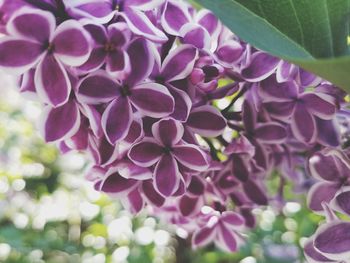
(52, 82)
(206, 121)
(18, 56)
(166, 176)
(97, 88)
(145, 153)
(71, 43)
(116, 119)
(179, 63)
(271, 133)
(152, 99)
(303, 124)
(255, 193)
(168, 131)
(60, 123)
(191, 157)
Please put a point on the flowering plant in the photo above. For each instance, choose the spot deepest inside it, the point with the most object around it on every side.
(181, 116)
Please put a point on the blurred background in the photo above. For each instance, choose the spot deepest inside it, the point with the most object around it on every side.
(50, 213)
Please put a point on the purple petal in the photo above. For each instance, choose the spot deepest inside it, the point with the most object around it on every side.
(152, 99)
(99, 11)
(196, 186)
(168, 131)
(271, 133)
(134, 202)
(151, 194)
(195, 35)
(18, 56)
(174, 16)
(71, 43)
(60, 123)
(280, 110)
(229, 53)
(249, 116)
(342, 201)
(166, 176)
(52, 82)
(273, 91)
(226, 239)
(189, 206)
(179, 63)
(206, 121)
(321, 192)
(314, 256)
(28, 85)
(211, 23)
(203, 236)
(135, 132)
(191, 157)
(116, 119)
(117, 185)
(141, 61)
(328, 132)
(327, 167)
(141, 25)
(303, 124)
(232, 219)
(96, 60)
(255, 193)
(37, 26)
(97, 88)
(321, 105)
(333, 240)
(145, 153)
(261, 66)
(117, 61)
(183, 104)
(144, 5)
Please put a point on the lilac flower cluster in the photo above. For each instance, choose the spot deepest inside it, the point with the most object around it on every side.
(136, 84)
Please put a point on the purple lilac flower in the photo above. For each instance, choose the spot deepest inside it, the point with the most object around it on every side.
(137, 85)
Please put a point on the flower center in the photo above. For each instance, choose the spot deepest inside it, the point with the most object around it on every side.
(167, 149)
(110, 47)
(125, 91)
(49, 47)
(159, 79)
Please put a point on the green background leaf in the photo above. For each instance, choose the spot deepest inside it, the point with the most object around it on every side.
(310, 33)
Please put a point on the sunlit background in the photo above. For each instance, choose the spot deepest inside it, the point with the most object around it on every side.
(50, 213)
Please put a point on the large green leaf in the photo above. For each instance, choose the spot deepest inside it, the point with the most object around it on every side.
(310, 33)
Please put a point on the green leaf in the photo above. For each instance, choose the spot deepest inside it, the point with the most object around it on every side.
(310, 33)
